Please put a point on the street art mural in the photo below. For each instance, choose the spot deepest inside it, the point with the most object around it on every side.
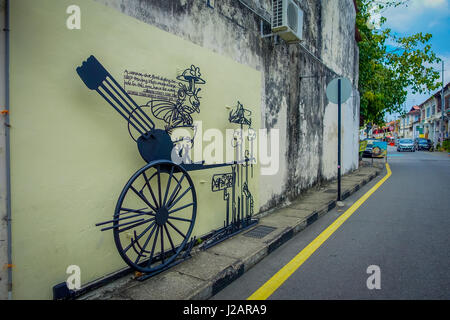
(143, 83)
(148, 238)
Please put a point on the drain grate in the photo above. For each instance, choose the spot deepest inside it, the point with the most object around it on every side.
(259, 232)
(330, 191)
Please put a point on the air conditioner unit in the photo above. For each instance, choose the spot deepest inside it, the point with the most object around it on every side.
(287, 20)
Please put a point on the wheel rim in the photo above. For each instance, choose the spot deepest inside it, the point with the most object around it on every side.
(155, 216)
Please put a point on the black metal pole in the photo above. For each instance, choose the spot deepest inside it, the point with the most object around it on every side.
(339, 140)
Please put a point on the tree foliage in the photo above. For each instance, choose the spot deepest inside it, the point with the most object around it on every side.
(389, 65)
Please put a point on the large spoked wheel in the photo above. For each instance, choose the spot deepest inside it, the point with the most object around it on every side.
(154, 216)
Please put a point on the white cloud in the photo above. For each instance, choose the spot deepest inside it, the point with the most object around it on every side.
(404, 18)
(434, 3)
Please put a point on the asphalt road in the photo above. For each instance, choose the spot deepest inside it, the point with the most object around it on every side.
(403, 228)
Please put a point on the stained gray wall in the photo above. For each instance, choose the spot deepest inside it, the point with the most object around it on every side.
(297, 106)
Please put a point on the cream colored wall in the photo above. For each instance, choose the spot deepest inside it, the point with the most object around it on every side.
(3, 193)
(71, 153)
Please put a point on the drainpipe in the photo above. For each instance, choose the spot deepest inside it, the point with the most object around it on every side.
(7, 152)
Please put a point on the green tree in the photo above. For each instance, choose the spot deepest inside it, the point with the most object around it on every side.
(387, 71)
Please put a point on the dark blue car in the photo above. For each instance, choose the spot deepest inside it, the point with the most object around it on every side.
(423, 144)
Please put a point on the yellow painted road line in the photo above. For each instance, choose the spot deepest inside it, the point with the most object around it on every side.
(267, 289)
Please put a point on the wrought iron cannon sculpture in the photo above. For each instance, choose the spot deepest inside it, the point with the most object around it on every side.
(156, 235)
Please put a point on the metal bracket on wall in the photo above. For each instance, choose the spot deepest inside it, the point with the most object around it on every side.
(261, 28)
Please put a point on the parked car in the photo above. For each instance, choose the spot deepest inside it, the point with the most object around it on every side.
(424, 144)
(406, 145)
(368, 151)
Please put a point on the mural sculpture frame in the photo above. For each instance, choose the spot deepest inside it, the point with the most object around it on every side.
(162, 184)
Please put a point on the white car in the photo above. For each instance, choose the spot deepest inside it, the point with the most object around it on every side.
(406, 145)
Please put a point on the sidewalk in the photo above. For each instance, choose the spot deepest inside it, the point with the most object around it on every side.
(209, 271)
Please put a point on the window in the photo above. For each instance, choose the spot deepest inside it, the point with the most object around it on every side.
(428, 112)
(433, 109)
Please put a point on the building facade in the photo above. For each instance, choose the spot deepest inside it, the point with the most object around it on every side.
(429, 120)
(80, 157)
(410, 124)
(435, 116)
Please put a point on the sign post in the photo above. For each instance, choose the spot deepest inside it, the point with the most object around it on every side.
(338, 91)
(339, 138)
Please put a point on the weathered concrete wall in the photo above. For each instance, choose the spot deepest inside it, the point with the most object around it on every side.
(294, 82)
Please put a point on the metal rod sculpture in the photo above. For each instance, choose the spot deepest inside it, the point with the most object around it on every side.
(242, 210)
(156, 210)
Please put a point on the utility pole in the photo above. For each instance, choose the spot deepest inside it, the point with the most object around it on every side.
(404, 120)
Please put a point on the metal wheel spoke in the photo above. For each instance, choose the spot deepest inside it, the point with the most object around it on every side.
(181, 219)
(176, 229)
(150, 189)
(150, 213)
(178, 199)
(162, 245)
(170, 239)
(119, 219)
(181, 208)
(123, 224)
(175, 195)
(150, 236)
(153, 248)
(128, 210)
(146, 242)
(138, 237)
(176, 190)
(135, 225)
(168, 186)
(159, 186)
(143, 198)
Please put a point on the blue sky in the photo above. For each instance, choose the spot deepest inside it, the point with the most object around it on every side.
(427, 16)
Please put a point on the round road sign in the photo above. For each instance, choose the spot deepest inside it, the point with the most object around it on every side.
(332, 90)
